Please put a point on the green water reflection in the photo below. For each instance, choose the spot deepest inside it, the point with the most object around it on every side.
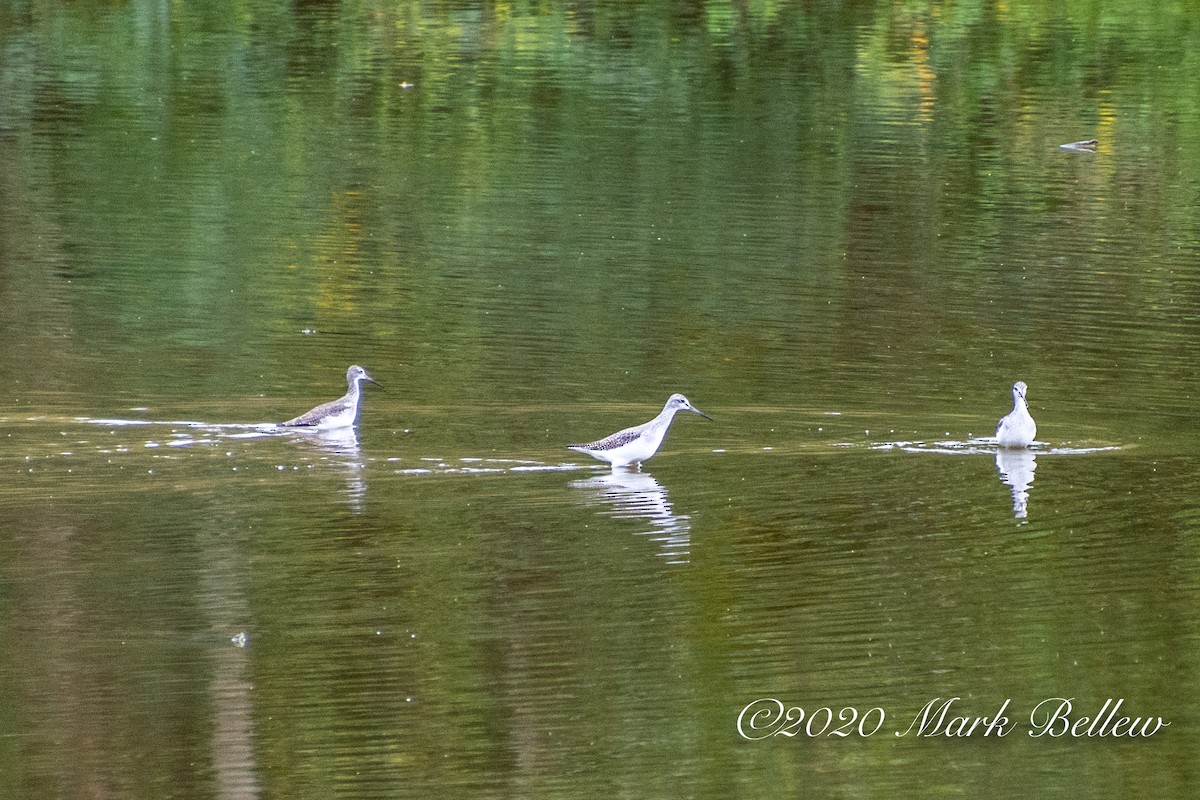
(843, 230)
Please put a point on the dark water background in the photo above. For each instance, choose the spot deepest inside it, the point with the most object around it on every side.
(843, 230)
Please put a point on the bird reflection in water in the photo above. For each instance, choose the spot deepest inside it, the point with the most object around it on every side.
(636, 495)
(340, 446)
(1016, 468)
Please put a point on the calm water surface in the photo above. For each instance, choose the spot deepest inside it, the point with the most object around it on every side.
(843, 232)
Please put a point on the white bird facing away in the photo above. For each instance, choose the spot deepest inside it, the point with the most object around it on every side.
(635, 445)
(339, 413)
(1018, 428)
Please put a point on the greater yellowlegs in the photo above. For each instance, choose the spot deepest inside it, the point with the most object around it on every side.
(339, 413)
(1018, 428)
(636, 444)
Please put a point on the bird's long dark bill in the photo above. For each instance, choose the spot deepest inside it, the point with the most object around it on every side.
(377, 383)
(701, 413)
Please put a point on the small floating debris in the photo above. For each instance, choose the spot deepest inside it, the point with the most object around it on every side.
(485, 466)
(987, 445)
(188, 441)
(241, 639)
(1086, 146)
(116, 423)
(564, 467)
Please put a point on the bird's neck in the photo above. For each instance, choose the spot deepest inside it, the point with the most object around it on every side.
(665, 416)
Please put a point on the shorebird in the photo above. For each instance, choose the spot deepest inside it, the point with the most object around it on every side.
(339, 413)
(635, 445)
(1018, 428)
